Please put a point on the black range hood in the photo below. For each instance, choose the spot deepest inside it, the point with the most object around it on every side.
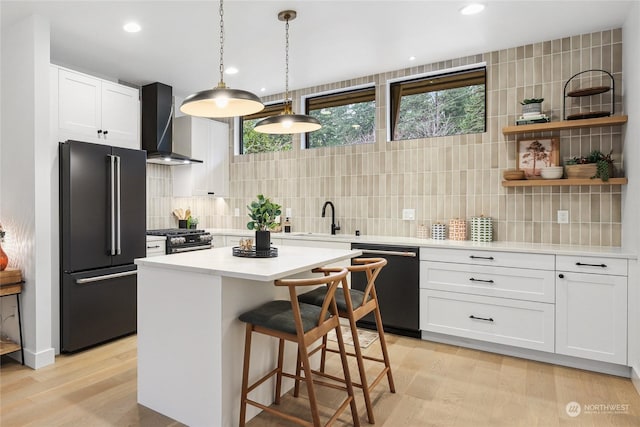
(157, 126)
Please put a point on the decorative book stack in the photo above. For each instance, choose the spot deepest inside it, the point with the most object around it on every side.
(530, 118)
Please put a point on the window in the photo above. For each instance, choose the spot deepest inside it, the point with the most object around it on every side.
(347, 118)
(445, 104)
(256, 142)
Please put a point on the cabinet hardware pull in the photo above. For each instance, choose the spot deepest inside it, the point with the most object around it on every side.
(99, 130)
(481, 257)
(105, 132)
(153, 247)
(481, 280)
(561, 276)
(591, 265)
(487, 319)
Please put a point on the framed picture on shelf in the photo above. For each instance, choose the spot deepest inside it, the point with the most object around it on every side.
(535, 154)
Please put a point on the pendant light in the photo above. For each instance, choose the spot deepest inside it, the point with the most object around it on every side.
(221, 101)
(287, 122)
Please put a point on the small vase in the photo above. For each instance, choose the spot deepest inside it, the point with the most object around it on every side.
(4, 260)
(263, 240)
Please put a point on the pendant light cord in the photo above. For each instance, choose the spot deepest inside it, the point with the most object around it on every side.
(221, 11)
(286, 70)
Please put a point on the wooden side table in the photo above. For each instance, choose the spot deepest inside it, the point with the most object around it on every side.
(11, 284)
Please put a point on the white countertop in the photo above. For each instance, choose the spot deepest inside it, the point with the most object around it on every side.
(554, 249)
(221, 262)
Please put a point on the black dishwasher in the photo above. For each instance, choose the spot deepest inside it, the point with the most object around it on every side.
(397, 287)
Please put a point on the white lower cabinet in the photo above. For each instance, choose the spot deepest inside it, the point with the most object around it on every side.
(569, 305)
(499, 297)
(591, 309)
(504, 321)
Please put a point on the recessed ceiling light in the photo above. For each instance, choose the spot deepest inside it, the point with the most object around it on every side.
(231, 70)
(132, 27)
(472, 9)
(262, 89)
(412, 58)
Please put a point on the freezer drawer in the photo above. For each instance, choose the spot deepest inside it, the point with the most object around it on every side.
(97, 306)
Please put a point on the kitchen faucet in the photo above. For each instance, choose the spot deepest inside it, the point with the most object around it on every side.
(334, 227)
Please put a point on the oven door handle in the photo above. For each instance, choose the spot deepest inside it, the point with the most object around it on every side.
(390, 253)
(189, 248)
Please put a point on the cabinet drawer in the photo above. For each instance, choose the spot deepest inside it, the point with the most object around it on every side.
(493, 258)
(518, 283)
(587, 264)
(510, 322)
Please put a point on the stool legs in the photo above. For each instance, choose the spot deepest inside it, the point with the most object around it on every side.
(383, 346)
(245, 374)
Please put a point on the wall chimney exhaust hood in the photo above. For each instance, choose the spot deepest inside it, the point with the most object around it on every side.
(157, 126)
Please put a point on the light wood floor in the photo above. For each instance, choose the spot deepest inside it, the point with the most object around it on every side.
(437, 385)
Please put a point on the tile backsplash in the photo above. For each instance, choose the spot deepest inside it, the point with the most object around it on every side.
(441, 178)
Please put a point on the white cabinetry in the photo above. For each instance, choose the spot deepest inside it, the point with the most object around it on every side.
(156, 245)
(591, 308)
(499, 297)
(95, 110)
(206, 140)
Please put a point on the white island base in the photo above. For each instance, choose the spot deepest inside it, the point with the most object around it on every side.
(190, 341)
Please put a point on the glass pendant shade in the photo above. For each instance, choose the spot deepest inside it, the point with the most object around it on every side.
(221, 102)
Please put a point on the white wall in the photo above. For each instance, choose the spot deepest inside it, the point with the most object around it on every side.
(25, 176)
(631, 194)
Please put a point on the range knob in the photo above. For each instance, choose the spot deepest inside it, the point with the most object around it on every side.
(177, 240)
(206, 237)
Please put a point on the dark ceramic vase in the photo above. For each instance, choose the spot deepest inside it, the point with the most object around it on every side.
(263, 240)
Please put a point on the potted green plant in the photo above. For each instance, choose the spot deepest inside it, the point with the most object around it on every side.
(263, 213)
(595, 165)
(532, 105)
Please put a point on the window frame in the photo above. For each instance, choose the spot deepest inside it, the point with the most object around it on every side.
(304, 140)
(415, 77)
(270, 109)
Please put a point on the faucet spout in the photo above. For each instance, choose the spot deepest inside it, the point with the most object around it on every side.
(334, 227)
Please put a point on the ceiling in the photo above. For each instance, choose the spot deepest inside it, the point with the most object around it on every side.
(330, 41)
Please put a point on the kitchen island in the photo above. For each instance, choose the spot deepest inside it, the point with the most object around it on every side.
(190, 341)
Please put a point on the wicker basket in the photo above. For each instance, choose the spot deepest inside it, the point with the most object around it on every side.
(588, 170)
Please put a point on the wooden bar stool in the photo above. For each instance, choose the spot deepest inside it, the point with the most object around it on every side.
(354, 305)
(302, 324)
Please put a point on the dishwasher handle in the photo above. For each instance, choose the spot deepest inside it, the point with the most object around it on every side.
(390, 253)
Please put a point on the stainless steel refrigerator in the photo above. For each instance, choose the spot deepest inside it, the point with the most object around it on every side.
(102, 231)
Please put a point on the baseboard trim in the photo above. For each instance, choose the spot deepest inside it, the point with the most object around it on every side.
(539, 356)
(40, 359)
(635, 379)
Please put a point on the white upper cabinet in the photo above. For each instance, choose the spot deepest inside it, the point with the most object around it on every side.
(206, 140)
(95, 110)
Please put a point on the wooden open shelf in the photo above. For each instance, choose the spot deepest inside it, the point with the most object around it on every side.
(8, 347)
(565, 124)
(563, 182)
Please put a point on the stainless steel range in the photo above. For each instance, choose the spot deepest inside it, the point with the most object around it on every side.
(184, 240)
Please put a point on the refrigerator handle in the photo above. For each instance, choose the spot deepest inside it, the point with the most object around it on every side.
(112, 164)
(118, 212)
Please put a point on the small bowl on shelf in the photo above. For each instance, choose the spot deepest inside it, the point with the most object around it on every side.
(552, 172)
(513, 174)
